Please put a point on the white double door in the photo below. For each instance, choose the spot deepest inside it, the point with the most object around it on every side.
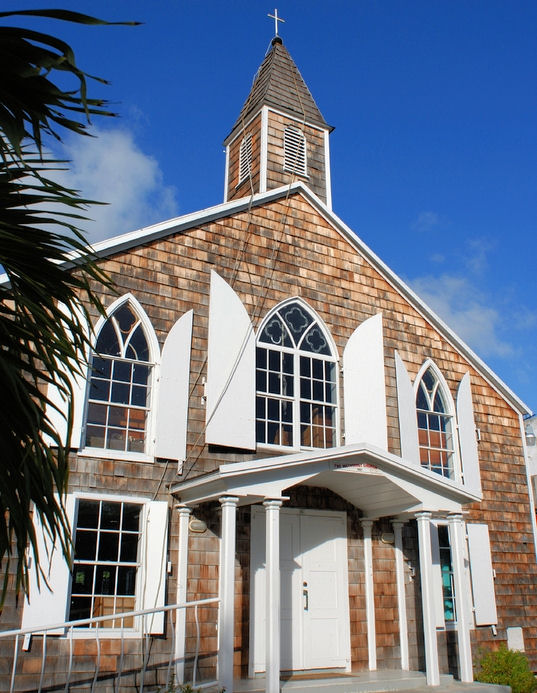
(314, 630)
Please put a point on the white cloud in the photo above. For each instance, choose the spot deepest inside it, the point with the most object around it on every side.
(463, 308)
(425, 221)
(111, 168)
(477, 258)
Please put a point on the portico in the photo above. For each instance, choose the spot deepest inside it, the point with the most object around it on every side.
(381, 485)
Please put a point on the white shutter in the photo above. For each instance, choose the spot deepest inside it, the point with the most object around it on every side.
(58, 409)
(365, 388)
(408, 423)
(172, 405)
(438, 591)
(482, 575)
(154, 561)
(467, 436)
(48, 604)
(230, 370)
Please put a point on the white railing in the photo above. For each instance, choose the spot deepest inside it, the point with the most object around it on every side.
(68, 629)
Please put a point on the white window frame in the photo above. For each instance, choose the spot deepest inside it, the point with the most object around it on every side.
(51, 604)
(295, 151)
(451, 412)
(296, 400)
(154, 362)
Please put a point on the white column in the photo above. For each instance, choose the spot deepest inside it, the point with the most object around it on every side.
(369, 595)
(427, 598)
(272, 576)
(226, 621)
(456, 538)
(401, 596)
(180, 616)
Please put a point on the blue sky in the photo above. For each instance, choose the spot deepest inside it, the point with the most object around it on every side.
(434, 155)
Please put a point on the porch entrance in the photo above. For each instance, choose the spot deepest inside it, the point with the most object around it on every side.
(314, 590)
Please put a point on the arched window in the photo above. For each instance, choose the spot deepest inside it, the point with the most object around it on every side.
(245, 158)
(435, 426)
(294, 151)
(296, 402)
(119, 388)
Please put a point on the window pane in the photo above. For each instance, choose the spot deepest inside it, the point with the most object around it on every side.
(97, 414)
(274, 360)
(274, 383)
(108, 546)
(139, 396)
(318, 390)
(296, 319)
(82, 579)
(99, 389)
(95, 437)
(288, 363)
(260, 432)
(108, 343)
(116, 439)
(305, 366)
(315, 341)
(80, 608)
(140, 374)
(120, 393)
(122, 371)
(261, 381)
(117, 416)
(261, 358)
(101, 368)
(273, 409)
(260, 409)
(136, 441)
(129, 548)
(318, 368)
(105, 580)
(305, 388)
(131, 517)
(138, 348)
(85, 545)
(126, 580)
(88, 514)
(125, 318)
(110, 515)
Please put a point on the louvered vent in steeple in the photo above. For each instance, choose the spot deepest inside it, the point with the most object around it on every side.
(294, 151)
(245, 158)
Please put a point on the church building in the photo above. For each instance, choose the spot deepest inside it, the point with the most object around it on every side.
(275, 422)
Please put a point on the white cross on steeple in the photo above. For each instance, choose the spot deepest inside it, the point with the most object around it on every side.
(276, 20)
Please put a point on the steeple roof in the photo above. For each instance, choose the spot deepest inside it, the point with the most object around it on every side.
(279, 84)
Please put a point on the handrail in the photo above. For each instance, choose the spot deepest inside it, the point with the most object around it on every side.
(98, 619)
(69, 627)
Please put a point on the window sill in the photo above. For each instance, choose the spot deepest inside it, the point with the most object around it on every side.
(105, 454)
(288, 449)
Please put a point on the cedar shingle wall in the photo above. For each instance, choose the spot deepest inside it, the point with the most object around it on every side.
(282, 250)
(286, 249)
(234, 190)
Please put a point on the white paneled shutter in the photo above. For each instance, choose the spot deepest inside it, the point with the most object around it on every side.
(172, 409)
(406, 404)
(467, 436)
(154, 561)
(57, 410)
(47, 604)
(230, 370)
(438, 590)
(482, 575)
(365, 387)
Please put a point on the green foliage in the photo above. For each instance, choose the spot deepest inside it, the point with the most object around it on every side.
(506, 667)
(42, 316)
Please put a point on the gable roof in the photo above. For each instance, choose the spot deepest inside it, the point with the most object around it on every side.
(278, 83)
(148, 234)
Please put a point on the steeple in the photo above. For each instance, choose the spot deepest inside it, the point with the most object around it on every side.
(280, 135)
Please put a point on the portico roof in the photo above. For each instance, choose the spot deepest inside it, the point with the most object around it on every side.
(375, 481)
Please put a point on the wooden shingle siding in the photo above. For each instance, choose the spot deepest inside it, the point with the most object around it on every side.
(272, 253)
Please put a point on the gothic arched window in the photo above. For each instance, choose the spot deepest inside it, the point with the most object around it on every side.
(296, 374)
(119, 389)
(435, 425)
